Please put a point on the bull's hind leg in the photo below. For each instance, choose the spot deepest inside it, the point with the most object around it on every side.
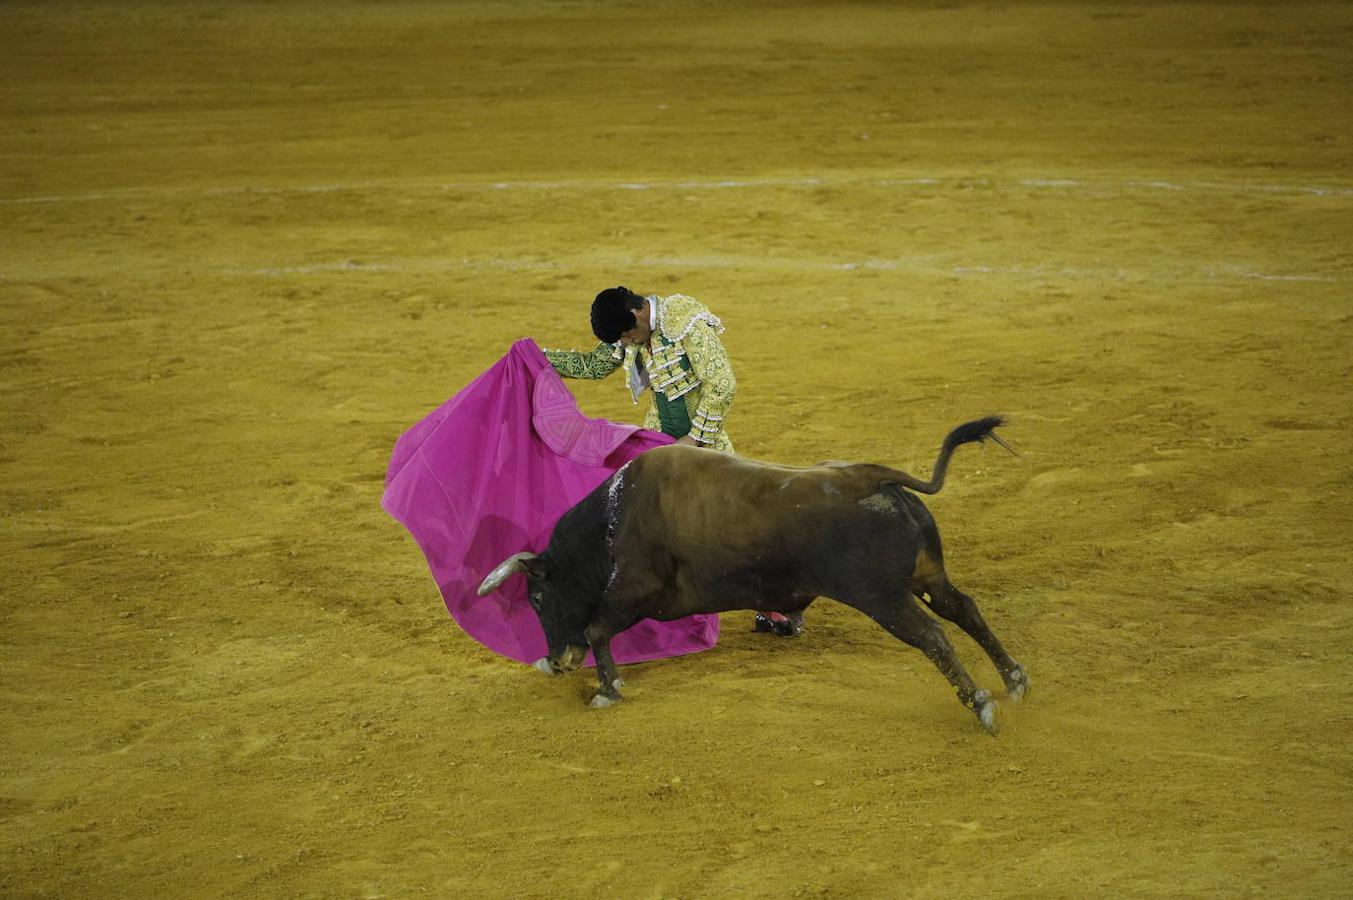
(951, 603)
(905, 620)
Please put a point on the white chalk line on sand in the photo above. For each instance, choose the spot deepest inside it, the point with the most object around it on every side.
(1212, 273)
(958, 182)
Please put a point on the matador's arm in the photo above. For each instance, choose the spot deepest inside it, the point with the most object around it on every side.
(597, 363)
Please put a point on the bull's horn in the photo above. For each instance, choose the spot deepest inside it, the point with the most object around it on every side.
(508, 567)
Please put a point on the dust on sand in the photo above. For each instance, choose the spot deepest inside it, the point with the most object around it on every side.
(244, 246)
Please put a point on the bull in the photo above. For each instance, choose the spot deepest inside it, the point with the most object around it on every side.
(683, 530)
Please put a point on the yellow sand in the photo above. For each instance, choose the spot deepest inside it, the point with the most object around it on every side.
(244, 245)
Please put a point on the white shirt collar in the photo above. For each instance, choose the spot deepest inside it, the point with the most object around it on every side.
(652, 312)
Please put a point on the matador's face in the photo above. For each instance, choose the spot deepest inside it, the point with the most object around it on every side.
(641, 332)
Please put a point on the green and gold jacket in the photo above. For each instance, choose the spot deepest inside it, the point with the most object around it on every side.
(684, 363)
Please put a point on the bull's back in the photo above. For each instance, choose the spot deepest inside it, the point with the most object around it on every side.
(736, 518)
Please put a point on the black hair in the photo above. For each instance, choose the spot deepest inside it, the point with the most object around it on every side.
(613, 313)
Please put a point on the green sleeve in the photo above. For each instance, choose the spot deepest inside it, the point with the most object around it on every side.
(597, 363)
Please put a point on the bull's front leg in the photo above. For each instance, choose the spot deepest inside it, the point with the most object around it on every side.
(599, 639)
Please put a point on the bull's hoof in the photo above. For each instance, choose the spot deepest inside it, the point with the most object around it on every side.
(1017, 684)
(985, 707)
(601, 701)
(543, 665)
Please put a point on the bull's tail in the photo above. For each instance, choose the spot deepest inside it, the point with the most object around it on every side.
(967, 433)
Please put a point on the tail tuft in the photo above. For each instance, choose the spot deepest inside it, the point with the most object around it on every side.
(978, 430)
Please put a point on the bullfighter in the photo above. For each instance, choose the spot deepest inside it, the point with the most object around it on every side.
(671, 345)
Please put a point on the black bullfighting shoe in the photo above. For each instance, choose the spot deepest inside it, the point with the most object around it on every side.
(779, 624)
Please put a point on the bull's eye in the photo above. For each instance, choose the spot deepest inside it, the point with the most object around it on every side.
(535, 600)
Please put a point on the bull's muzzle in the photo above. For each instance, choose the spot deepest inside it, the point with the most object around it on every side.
(570, 659)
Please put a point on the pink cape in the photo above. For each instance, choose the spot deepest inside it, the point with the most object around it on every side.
(488, 473)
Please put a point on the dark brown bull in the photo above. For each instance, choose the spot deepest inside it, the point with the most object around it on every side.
(682, 530)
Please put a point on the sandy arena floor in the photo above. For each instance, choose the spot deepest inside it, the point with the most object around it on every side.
(245, 245)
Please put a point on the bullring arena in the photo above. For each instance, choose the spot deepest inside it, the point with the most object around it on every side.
(246, 245)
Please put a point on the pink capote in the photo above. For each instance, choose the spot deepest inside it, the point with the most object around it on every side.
(488, 473)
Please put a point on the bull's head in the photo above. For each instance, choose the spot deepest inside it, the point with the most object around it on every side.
(562, 618)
